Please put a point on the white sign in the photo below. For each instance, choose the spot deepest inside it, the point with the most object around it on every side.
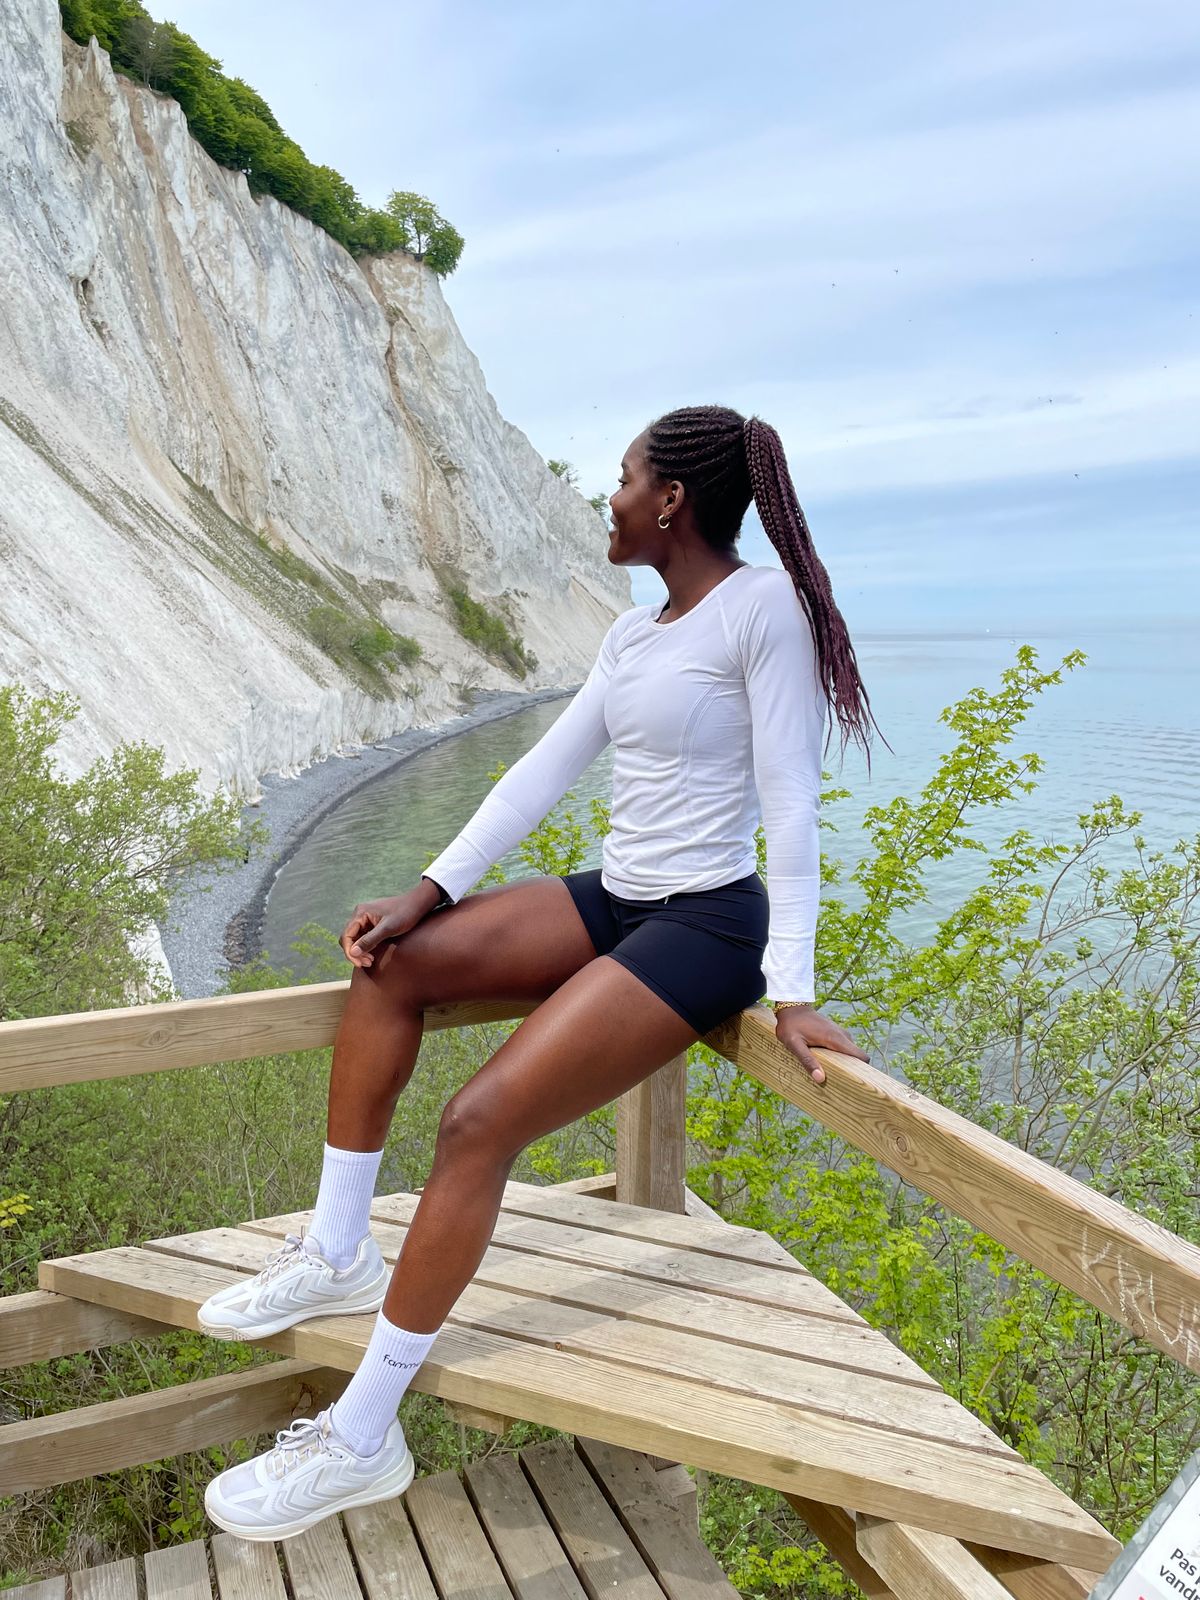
(1162, 1560)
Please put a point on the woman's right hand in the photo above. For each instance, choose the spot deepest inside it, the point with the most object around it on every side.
(376, 920)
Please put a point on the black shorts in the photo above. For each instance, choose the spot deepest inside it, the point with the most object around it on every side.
(700, 952)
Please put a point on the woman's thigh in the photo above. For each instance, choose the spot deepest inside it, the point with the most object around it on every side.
(514, 941)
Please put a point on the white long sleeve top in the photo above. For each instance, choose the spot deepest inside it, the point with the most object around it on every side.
(695, 709)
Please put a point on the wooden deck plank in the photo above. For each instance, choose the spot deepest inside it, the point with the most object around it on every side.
(116, 1580)
(319, 1563)
(42, 1589)
(666, 1539)
(963, 1493)
(751, 1281)
(178, 1573)
(532, 1559)
(805, 1335)
(552, 1204)
(390, 1563)
(598, 1543)
(462, 1562)
(548, 1321)
(246, 1569)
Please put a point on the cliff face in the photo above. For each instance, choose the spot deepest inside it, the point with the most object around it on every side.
(219, 430)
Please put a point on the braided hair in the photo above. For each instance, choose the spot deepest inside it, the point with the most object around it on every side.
(723, 461)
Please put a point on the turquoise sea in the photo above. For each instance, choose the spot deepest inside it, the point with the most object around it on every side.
(1127, 723)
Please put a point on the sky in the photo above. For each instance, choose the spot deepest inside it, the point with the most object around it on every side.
(950, 252)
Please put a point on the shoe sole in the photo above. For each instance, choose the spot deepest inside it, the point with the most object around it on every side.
(264, 1330)
(288, 1530)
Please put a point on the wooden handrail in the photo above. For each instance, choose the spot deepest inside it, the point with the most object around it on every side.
(1144, 1277)
(128, 1040)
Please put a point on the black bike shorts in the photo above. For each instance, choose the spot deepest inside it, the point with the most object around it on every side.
(700, 952)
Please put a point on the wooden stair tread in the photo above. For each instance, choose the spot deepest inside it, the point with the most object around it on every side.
(588, 1330)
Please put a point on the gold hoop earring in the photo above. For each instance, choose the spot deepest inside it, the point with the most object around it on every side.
(663, 524)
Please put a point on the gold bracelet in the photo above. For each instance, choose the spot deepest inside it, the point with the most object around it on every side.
(779, 1005)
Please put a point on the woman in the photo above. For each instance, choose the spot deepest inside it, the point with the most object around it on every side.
(716, 705)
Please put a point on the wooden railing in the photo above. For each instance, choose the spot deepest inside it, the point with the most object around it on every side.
(1141, 1275)
(1144, 1277)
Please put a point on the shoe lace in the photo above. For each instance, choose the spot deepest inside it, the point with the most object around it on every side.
(306, 1437)
(286, 1256)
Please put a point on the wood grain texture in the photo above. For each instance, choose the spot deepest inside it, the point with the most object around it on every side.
(527, 1548)
(919, 1565)
(462, 1562)
(390, 1563)
(836, 1529)
(964, 1493)
(41, 1327)
(319, 1565)
(604, 1556)
(1142, 1276)
(246, 1569)
(701, 1230)
(651, 1139)
(116, 1580)
(146, 1427)
(665, 1537)
(125, 1041)
(43, 1589)
(178, 1573)
(659, 1301)
(714, 1357)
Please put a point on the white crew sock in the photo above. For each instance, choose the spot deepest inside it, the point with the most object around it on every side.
(368, 1404)
(342, 1219)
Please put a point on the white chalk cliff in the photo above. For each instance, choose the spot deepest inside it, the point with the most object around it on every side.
(213, 422)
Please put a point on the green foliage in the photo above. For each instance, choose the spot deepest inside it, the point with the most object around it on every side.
(564, 470)
(366, 639)
(13, 1208)
(424, 232)
(1055, 1003)
(86, 866)
(490, 632)
(238, 129)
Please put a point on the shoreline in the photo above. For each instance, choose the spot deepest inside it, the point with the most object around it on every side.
(214, 919)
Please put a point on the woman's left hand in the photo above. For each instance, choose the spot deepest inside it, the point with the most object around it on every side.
(798, 1027)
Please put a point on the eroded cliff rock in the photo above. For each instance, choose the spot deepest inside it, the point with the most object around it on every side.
(218, 429)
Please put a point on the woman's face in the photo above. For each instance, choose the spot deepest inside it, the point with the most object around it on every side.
(634, 509)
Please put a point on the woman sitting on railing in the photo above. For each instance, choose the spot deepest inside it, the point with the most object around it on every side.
(717, 706)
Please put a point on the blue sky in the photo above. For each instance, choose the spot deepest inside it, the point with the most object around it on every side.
(950, 252)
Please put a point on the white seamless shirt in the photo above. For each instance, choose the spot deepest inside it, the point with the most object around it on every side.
(717, 721)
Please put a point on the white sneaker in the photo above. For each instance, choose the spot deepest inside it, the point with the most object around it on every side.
(295, 1282)
(311, 1473)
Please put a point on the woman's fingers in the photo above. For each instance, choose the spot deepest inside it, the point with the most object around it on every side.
(809, 1062)
(357, 939)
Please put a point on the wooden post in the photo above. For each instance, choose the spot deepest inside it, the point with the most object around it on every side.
(651, 1145)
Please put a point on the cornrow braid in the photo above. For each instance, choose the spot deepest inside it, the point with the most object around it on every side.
(725, 460)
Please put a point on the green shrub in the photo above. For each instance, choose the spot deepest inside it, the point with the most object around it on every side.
(490, 632)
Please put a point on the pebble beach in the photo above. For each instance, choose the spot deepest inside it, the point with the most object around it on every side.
(214, 918)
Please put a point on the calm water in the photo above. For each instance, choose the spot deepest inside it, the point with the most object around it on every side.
(1127, 723)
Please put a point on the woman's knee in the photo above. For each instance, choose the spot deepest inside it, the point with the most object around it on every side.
(471, 1126)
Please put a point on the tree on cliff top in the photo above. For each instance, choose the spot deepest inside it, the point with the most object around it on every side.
(238, 129)
(426, 234)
